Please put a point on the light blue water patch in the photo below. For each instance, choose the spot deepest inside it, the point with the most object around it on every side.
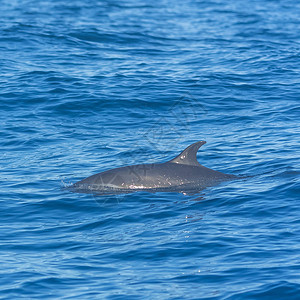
(87, 87)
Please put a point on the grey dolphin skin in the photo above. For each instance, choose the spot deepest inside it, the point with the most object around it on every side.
(181, 174)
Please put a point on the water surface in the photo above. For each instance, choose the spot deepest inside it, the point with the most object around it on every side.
(86, 87)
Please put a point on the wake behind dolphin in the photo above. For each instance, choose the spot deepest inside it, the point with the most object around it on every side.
(181, 174)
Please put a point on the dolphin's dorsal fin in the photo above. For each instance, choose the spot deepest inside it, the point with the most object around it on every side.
(189, 155)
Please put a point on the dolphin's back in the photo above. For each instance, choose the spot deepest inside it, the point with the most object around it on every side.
(152, 176)
(183, 170)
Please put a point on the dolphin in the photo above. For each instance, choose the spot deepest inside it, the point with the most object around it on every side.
(181, 174)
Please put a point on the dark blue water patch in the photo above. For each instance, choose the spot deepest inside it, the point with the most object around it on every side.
(278, 290)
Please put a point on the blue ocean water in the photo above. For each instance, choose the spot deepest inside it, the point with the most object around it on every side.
(87, 86)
